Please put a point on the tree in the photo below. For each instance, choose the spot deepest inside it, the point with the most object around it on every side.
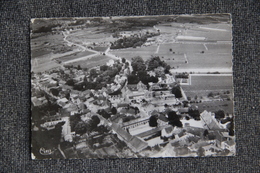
(103, 113)
(126, 64)
(194, 113)
(114, 110)
(136, 110)
(81, 128)
(138, 64)
(74, 121)
(153, 79)
(167, 69)
(95, 119)
(93, 73)
(85, 79)
(172, 115)
(219, 114)
(206, 132)
(153, 63)
(176, 123)
(133, 79)
(176, 91)
(70, 82)
(185, 103)
(174, 119)
(153, 121)
(55, 91)
(103, 67)
(210, 94)
(92, 124)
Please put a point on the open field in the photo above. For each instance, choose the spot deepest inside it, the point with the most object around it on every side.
(44, 63)
(209, 83)
(226, 106)
(129, 53)
(215, 56)
(48, 43)
(201, 86)
(213, 32)
(90, 35)
(74, 56)
(92, 62)
(100, 48)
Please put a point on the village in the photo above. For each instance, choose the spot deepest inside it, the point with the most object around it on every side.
(132, 87)
(117, 111)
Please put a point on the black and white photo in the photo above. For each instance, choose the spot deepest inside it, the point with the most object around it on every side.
(132, 87)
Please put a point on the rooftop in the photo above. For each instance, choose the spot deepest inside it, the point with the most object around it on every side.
(135, 121)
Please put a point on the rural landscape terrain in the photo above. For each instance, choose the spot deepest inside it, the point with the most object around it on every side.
(132, 87)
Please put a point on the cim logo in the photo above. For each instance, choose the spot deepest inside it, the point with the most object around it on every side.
(43, 151)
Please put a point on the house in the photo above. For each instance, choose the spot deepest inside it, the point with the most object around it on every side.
(134, 123)
(51, 122)
(116, 94)
(129, 111)
(116, 118)
(132, 87)
(182, 139)
(209, 121)
(149, 133)
(162, 120)
(66, 130)
(122, 105)
(170, 131)
(62, 102)
(140, 86)
(89, 100)
(136, 94)
(106, 151)
(71, 108)
(181, 151)
(38, 102)
(183, 110)
(169, 79)
(134, 143)
(167, 132)
(153, 86)
(211, 148)
(137, 87)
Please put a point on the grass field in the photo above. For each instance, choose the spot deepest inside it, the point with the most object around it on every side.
(92, 62)
(90, 35)
(48, 43)
(217, 56)
(129, 53)
(43, 64)
(203, 85)
(226, 106)
(213, 32)
(100, 48)
(74, 56)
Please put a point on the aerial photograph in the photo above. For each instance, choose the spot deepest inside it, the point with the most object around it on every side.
(132, 87)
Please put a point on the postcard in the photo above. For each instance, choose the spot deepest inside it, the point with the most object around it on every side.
(132, 87)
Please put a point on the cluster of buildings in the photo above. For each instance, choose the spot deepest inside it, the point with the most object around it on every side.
(134, 105)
